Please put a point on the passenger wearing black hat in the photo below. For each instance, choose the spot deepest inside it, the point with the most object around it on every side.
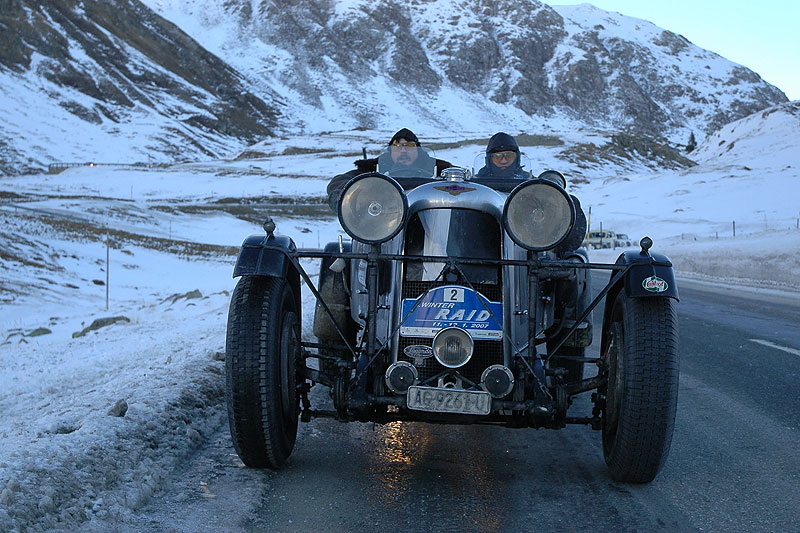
(502, 158)
(403, 152)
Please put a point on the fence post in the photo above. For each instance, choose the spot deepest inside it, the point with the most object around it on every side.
(108, 246)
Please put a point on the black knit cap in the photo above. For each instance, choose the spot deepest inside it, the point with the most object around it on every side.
(502, 142)
(406, 134)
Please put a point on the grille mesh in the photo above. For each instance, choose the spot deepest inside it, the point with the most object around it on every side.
(486, 353)
(414, 289)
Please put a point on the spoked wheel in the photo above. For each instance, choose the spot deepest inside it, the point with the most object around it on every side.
(642, 388)
(261, 361)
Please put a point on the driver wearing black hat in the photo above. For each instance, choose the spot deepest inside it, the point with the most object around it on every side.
(403, 152)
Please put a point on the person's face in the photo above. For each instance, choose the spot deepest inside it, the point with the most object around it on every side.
(504, 159)
(404, 152)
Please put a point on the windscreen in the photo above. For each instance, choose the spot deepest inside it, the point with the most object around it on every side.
(407, 162)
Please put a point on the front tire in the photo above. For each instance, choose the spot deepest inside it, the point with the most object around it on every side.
(261, 361)
(642, 388)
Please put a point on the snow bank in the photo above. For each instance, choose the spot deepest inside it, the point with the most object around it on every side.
(65, 459)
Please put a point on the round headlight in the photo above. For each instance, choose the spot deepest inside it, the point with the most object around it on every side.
(372, 208)
(452, 347)
(538, 215)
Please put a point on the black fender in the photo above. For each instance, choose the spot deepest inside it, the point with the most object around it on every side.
(650, 276)
(268, 255)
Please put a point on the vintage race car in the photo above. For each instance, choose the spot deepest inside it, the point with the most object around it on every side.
(457, 300)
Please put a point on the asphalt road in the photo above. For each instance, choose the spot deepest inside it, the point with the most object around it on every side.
(734, 464)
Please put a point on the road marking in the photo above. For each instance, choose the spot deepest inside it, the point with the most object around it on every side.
(776, 346)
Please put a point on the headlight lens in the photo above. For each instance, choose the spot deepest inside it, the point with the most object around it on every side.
(372, 208)
(452, 347)
(538, 215)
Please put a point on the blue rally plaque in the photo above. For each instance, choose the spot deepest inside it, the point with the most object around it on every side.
(452, 306)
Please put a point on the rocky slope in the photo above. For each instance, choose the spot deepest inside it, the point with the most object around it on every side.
(111, 65)
(520, 57)
(224, 73)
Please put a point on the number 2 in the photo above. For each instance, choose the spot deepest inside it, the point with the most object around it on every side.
(454, 295)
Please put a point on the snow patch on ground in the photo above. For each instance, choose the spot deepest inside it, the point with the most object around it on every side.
(65, 458)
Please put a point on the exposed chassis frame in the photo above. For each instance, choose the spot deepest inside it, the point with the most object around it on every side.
(538, 269)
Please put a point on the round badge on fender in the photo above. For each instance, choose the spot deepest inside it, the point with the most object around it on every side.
(655, 284)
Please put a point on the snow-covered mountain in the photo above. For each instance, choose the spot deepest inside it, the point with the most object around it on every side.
(166, 80)
(769, 137)
(360, 63)
(113, 81)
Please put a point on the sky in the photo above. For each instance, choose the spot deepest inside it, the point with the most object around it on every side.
(762, 36)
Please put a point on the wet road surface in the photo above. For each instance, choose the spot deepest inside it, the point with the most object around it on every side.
(734, 464)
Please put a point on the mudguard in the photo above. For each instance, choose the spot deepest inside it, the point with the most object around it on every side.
(264, 255)
(645, 279)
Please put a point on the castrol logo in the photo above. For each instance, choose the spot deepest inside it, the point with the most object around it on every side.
(655, 284)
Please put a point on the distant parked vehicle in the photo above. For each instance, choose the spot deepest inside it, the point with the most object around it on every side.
(600, 239)
(622, 241)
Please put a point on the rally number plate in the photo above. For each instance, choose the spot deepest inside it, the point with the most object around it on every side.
(436, 400)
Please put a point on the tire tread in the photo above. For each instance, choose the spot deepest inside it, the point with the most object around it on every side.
(252, 363)
(651, 371)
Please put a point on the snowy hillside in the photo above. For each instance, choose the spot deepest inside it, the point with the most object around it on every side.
(730, 216)
(194, 80)
(766, 138)
(473, 64)
(114, 82)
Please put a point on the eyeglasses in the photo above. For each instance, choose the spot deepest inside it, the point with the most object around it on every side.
(499, 156)
(397, 147)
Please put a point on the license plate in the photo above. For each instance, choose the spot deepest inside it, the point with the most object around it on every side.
(436, 400)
